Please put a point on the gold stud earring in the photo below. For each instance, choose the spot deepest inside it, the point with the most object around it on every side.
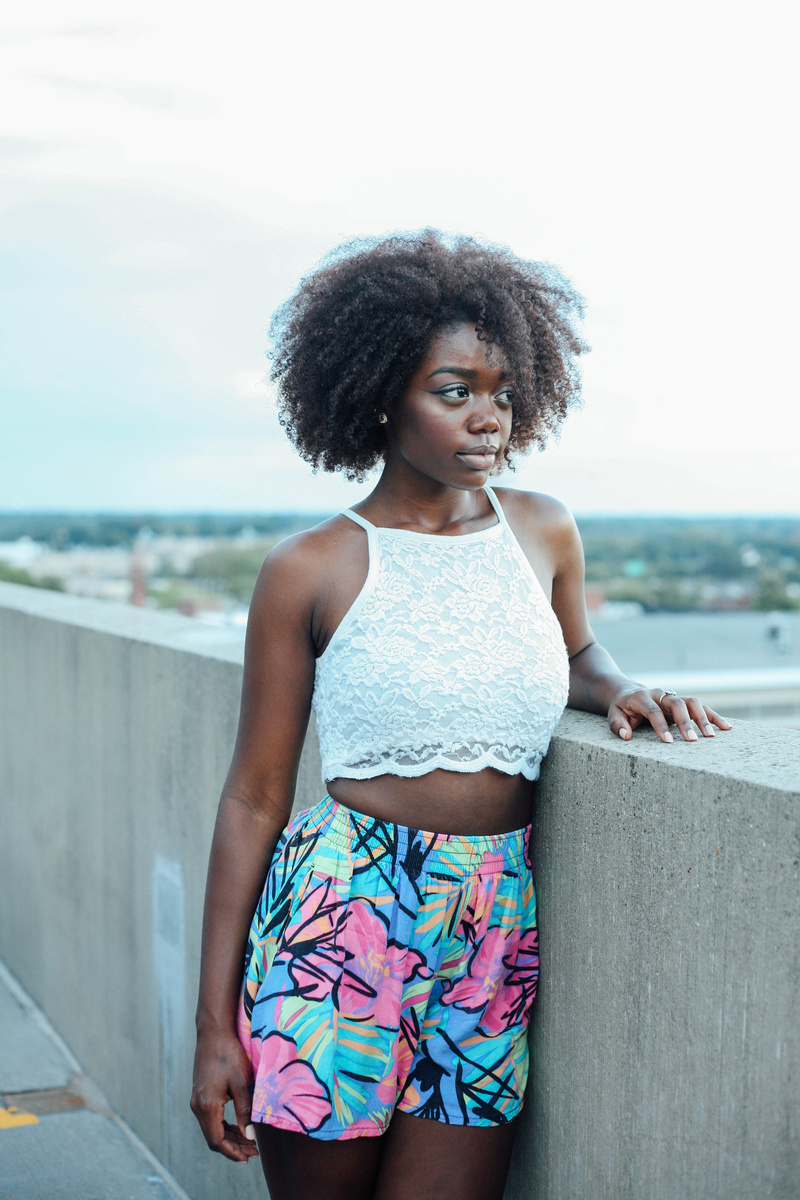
(382, 419)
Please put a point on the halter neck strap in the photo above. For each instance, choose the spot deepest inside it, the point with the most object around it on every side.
(496, 505)
(359, 520)
(370, 528)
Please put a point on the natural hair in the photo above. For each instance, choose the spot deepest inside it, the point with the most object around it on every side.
(345, 344)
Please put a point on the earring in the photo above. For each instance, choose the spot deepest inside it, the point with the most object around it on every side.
(382, 419)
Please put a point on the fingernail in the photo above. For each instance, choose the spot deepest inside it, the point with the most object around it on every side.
(250, 1133)
(691, 736)
(710, 731)
(622, 734)
(668, 736)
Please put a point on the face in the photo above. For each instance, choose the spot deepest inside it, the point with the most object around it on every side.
(453, 421)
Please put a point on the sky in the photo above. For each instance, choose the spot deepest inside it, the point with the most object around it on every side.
(168, 174)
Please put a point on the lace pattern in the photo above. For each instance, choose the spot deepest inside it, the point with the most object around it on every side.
(450, 657)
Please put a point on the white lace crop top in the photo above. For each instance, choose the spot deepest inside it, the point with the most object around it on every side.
(450, 657)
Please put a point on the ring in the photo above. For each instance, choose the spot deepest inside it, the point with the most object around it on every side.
(663, 695)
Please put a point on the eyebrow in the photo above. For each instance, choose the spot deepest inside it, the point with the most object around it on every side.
(465, 372)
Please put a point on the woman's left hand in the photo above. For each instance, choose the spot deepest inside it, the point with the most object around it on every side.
(631, 708)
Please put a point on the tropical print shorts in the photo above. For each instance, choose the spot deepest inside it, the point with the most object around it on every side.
(389, 968)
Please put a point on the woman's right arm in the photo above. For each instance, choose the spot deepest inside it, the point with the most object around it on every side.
(254, 809)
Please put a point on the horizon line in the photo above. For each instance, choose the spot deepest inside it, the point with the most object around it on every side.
(324, 514)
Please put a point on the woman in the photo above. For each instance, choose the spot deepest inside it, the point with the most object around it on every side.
(438, 630)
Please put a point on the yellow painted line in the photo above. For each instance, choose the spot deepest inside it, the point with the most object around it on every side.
(10, 1118)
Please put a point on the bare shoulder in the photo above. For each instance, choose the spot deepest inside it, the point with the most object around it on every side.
(537, 515)
(298, 569)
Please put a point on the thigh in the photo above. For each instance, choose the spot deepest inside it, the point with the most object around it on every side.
(430, 1160)
(299, 1167)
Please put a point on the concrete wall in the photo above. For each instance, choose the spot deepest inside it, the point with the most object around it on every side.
(665, 1038)
(666, 1042)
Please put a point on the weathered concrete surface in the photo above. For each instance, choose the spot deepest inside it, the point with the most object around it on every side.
(29, 1061)
(115, 738)
(665, 1039)
(74, 1149)
(75, 1156)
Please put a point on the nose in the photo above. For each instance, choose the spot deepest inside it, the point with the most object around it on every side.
(484, 415)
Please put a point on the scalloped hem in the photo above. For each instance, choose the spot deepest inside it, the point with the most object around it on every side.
(439, 763)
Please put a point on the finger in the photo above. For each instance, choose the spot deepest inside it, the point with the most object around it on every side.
(678, 710)
(698, 714)
(216, 1130)
(210, 1115)
(242, 1148)
(619, 723)
(247, 1140)
(720, 722)
(652, 712)
(242, 1107)
(624, 720)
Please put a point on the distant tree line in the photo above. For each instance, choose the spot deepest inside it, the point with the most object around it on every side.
(674, 563)
(663, 563)
(9, 574)
(61, 530)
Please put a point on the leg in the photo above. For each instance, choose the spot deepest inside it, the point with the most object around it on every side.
(428, 1160)
(298, 1167)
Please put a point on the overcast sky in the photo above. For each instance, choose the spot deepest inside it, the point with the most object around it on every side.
(170, 171)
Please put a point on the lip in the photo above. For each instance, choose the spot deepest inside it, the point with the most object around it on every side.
(480, 458)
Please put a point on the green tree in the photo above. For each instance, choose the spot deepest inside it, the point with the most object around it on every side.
(771, 594)
(10, 574)
(232, 569)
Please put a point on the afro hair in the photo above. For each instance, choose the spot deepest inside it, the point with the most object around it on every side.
(345, 344)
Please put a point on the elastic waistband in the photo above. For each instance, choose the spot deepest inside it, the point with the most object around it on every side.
(438, 853)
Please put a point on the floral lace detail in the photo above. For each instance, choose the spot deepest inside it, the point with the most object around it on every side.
(450, 657)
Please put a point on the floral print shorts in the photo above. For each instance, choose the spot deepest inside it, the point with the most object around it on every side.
(389, 968)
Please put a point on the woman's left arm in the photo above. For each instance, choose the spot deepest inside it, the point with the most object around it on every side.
(596, 682)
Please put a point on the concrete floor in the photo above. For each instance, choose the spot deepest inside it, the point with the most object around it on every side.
(58, 1139)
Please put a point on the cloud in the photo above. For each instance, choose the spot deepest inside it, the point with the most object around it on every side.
(106, 30)
(176, 102)
(133, 347)
(12, 148)
(100, 29)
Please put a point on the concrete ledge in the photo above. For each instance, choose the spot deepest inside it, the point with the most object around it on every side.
(665, 1039)
(167, 629)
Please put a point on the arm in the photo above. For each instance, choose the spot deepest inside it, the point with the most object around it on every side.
(254, 809)
(596, 682)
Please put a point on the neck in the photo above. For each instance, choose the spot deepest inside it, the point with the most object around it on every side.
(405, 499)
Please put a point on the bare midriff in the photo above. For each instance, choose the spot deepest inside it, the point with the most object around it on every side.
(485, 802)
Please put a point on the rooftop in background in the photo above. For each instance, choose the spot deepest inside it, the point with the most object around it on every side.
(741, 664)
(701, 641)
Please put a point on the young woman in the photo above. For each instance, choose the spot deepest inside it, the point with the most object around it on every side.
(438, 630)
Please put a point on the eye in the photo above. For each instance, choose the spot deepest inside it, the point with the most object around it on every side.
(455, 391)
(506, 396)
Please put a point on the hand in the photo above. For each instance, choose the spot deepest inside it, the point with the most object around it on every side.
(631, 708)
(222, 1072)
